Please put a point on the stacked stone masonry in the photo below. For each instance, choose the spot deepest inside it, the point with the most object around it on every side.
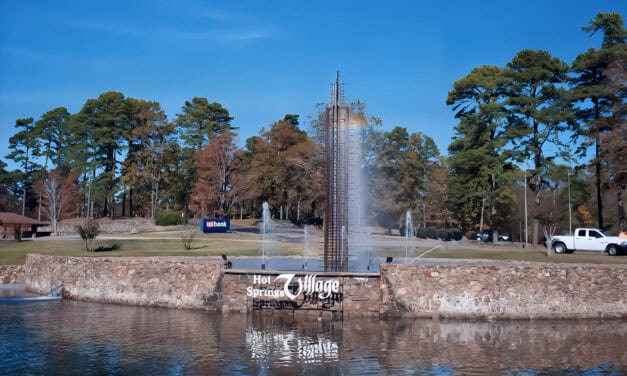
(504, 290)
(11, 274)
(178, 282)
(440, 289)
(106, 226)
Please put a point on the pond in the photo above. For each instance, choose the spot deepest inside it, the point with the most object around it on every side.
(55, 336)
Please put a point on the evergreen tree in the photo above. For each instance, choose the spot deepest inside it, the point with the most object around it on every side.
(103, 124)
(200, 119)
(51, 132)
(143, 169)
(598, 87)
(81, 157)
(402, 166)
(477, 158)
(175, 177)
(23, 145)
(539, 114)
(9, 188)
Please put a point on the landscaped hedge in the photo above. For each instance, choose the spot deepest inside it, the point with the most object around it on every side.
(445, 234)
(168, 218)
(456, 234)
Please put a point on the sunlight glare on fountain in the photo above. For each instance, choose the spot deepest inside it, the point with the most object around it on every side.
(357, 232)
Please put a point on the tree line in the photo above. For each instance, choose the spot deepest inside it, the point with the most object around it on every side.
(541, 115)
(523, 131)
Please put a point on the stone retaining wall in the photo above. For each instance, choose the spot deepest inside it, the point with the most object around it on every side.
(11, 274)
(107, 226)
(180, 282)
(435, 289)
(504, 290)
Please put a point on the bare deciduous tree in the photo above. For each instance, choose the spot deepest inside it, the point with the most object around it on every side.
(58, 194)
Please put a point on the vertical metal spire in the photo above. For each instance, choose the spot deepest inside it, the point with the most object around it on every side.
(337, 97)
(336, 215)
(336, 92)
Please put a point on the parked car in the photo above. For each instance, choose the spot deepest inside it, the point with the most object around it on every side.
(486, 236)
(588, 239)
(483, 236)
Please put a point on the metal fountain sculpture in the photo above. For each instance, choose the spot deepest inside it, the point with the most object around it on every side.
(345, 229)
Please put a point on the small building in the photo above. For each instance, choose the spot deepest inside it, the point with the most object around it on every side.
(14, 225)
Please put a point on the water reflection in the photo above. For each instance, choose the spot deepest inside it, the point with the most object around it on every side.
(68, 337)
(279, 340)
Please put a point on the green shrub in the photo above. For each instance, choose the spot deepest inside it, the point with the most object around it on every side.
(470, 235)
(109, 247)
(431, 232)
(168, 218)
(88, 229)
(444, 234)
(456, 234)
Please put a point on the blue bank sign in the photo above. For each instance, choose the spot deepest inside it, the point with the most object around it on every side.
(209, 225)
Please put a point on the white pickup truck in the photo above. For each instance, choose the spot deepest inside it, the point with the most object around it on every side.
(588, 239)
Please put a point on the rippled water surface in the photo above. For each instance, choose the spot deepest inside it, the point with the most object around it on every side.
(61, 337)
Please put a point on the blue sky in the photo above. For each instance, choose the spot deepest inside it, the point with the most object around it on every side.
(263, 59)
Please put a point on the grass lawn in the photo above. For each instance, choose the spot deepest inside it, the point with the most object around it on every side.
(539, 255)
(14, 253)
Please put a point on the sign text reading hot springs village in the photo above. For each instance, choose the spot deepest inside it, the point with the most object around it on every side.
(292, 287)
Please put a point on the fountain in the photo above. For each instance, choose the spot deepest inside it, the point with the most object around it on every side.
(346, 235)
(345, 214)
(56, 292)
(409, 231)
(266, 225)
(20, 295)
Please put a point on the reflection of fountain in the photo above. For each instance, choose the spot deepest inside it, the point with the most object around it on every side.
(289, 346)
(409, 231)
(266, 225)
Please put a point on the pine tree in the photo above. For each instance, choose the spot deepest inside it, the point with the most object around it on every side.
(477, 158)
(598, 88)
(23, 145)
(150, 136)
(101, 126)
(539, 114)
